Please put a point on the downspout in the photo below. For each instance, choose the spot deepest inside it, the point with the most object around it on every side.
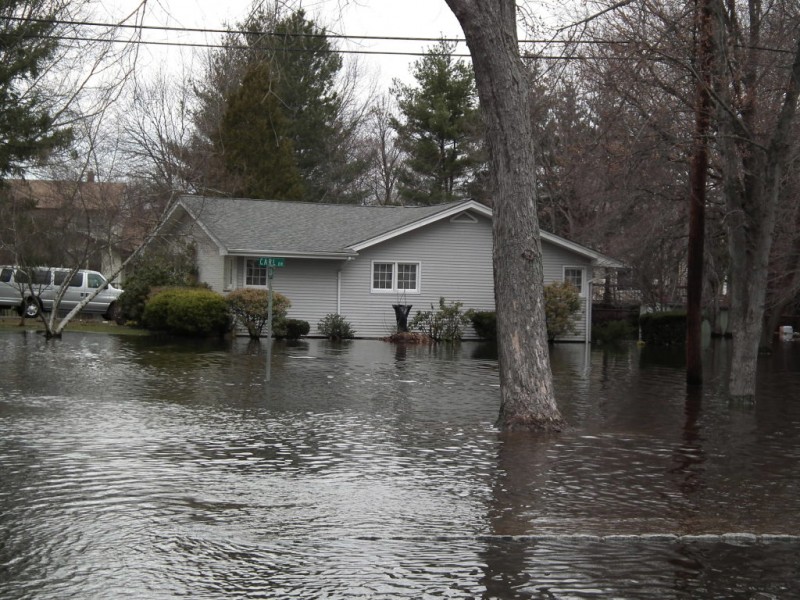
(589, 298)
(339, 292)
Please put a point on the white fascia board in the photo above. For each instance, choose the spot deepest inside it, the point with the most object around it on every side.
(599, 259)
(254, 253)
(453, 210)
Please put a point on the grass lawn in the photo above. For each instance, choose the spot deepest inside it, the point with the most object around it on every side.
(80, 324)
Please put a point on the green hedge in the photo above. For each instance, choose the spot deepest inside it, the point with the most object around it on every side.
(187, 311)
(484, 322)
(292, 329)
(664, 328)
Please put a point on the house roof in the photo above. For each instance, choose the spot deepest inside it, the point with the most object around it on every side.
(303, 229)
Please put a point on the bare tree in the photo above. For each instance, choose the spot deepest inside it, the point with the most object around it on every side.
(527, 397)
(756, 97)
(385, 156)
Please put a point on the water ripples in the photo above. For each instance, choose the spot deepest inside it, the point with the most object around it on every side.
(137, 470)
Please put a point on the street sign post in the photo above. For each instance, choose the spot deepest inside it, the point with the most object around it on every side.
(271, 263)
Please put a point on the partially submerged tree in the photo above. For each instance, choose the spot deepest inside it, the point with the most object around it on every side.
(526, 385)
(756, 97)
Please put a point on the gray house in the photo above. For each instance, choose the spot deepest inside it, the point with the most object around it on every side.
(358, 261)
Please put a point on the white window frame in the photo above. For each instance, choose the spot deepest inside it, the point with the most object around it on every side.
(583, 270)
(395, 272)
(246, 274)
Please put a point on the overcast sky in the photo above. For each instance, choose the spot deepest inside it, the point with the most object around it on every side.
(396, 18)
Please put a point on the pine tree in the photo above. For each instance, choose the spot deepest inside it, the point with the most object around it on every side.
(255, 141)
(27, 128)
(439, 130)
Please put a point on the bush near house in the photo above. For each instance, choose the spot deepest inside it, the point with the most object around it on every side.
(443, 325)
(663, 328)
(187, 311)
(613, 331)
(561, 304)
(484, 322)
(335, 327)
(250, 307)
(157, 268)
(290, 329)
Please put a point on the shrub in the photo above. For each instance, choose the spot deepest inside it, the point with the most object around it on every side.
(156, 268)
(296, 328)
(613, 331)
(663, 328)
(250, 307)
(443, 325)
(187, 311)
(335, 327)
(561, 303)
(484, 322)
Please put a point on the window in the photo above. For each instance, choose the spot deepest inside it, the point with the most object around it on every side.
(395, 277)
(95, 280)
(5, 275)
(574, 276)
(255, 274)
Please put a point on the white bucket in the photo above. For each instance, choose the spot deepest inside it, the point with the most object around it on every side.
(786, 333)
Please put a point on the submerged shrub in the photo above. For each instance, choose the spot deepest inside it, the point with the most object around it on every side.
(296, 328)
(443, 325)
(335, 327)
(187, 311)
(613, 331)
(561, 303)
(250, 307)
(484, 322)
(663, 328)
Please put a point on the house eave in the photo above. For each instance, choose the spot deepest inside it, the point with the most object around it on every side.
(256, 253)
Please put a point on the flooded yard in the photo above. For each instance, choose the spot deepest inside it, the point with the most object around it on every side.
(138, 468)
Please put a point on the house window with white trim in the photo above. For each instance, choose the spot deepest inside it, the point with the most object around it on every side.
(254, 273)
(574, 275)
(395, 277)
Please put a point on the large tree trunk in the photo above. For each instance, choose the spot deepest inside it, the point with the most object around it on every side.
(753, 167)
(527, 399)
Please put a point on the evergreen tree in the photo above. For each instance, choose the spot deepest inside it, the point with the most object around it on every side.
(27, 128)
(255, 141)
(439, 130)
(292, 57)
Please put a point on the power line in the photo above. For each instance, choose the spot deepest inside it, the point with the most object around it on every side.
(321, 35)
(220, 45)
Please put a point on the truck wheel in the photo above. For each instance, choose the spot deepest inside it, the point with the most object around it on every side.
(114, 313)
(31, 308)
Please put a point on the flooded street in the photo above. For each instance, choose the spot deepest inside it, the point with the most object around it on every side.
(134, 468)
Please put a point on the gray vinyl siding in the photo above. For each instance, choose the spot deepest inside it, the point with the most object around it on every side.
(455, 261)
(210, 263)
(554, 260)
(310, 285)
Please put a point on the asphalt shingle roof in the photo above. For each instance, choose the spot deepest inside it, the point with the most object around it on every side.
(303, 227)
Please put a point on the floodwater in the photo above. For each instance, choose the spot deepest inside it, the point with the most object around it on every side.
(137, 468)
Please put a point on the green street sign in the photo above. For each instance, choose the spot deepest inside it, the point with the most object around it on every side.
(269, 261)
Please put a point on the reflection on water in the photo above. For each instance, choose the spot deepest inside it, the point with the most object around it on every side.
(134, 468)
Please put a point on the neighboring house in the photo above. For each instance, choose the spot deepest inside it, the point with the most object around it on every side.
(358, 261)
(68, 220)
